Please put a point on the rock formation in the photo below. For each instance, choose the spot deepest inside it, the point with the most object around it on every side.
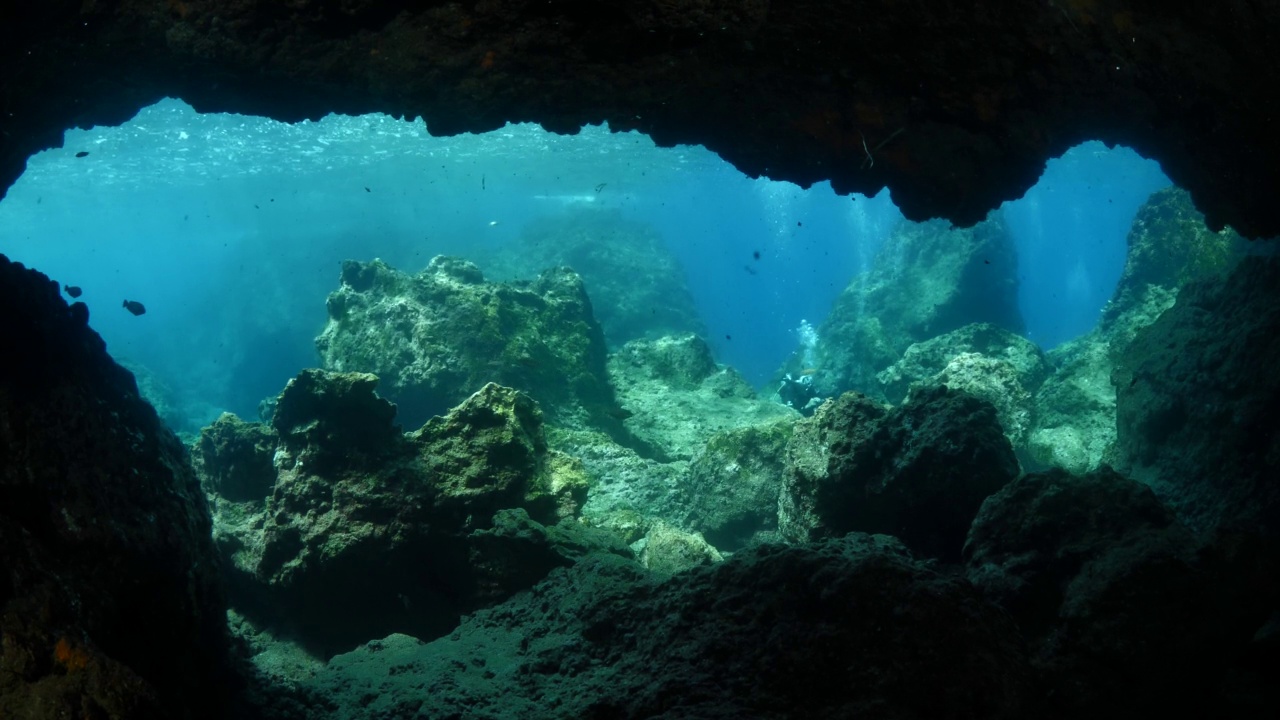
(111, 603)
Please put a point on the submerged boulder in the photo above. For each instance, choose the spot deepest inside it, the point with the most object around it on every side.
(110, 598)
(395, 532)
(438, 336)
(929, 279)
(918, 472)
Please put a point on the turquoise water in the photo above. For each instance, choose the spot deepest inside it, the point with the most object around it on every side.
(230, 230)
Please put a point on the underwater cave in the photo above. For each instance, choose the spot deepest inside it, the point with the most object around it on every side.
(692, 359)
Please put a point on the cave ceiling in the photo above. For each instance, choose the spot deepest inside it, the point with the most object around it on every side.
(954, 106)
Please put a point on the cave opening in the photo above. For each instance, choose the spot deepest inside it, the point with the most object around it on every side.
(231, 230)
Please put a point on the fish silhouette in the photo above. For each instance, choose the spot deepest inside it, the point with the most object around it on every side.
(134, 307)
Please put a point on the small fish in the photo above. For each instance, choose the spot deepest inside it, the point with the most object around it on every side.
(367, 189)
(134, 307)
(82, 153)
(73, 290)
(750, 269)
(601, 186)
(808, 371)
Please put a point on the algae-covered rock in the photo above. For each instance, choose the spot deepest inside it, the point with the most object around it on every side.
(1196, 404)
(395, 532)
(1101, 577)
(1074, 422)
(924, 360)
(627, 491)
(235, 459)
(636, 285)
(677, 397)
(667, 550)
(438, 336)
(734, 481)
(335, 421)
(918, 472)
(490, 453)
(996, 381)
(928, 280)
(1169, 245)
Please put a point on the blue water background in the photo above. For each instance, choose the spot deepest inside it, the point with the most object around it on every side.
(231, 230)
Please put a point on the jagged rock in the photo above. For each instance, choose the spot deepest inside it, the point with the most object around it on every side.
(924, 360)
(1196, 399)
(334, 421)
(235, 459)
(438, 336)
(1124, 614)
(636, 285)
(844, 628)
(1169, 245)
(396, 532)
(927, 280)
(918, 472)
(734, 482)
(110, 602)
(677, 396)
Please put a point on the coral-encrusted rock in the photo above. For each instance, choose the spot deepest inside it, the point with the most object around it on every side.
(927, 280)
(397, 533)
(840, 629)
(1124, 614)
(110, 604)
(918, 472)
(438, 336)
(637, 286)
(1196, 403)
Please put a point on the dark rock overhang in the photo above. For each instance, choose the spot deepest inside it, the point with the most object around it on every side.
(954, 106)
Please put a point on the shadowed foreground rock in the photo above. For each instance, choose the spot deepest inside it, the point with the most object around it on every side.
(110, 604)
(1196, 399)
(840, 629)
(1126, 613)
(918, 472)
